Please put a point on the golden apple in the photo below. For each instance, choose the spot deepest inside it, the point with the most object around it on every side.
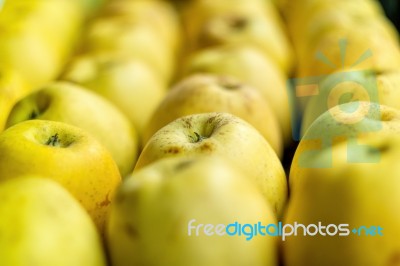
(72, 104)
(365, 48)
(360, 197)
(211, 93)
(226, 135)
(353, 85)
(12, 89)
(250, 66)
(129, 84)
(159, 14)
(247, 29)
(37, 36)
(153, 220)
(42, 224)
(63, 153)
(300, 12)
(131, 39)
(342, 123)
(254, 22)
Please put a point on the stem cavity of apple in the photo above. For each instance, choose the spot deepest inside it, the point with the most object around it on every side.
(33, 114)
(53, 141)
(238, 23)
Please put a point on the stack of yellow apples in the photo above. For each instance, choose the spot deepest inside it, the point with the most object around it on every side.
(242, 39)
(128, 56)
(154, 132)
(345, 38)
(344, 172)
(36, 39)
(226, 117)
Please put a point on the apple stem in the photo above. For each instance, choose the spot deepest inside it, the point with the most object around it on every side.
(198, 137)
(53, 140)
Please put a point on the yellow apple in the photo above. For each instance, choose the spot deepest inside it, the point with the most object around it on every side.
(226, 135)
(365, 48)
(153, 220)
(300, 12)
(136, 39)
(74, 105)
(250, 66)
(36, 38)
(330, 19)
(363, 197)
(238, 22)
(129, 84)
(12, 89)
(248, 29)
(160, 14)
(63, 153)
(204, 93)
(342, 123)
(42, 224)
(353, 85)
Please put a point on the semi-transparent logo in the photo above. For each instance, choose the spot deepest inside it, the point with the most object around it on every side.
(349, 102)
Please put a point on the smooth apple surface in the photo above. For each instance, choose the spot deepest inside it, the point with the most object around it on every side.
(41, 223)
(66, 154)
(228, 136)
(158, 202)
(77, 106)
(217, 93)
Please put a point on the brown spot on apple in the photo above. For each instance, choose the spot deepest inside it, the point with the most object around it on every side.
(131, 231)
(208, 147)
(211, 120)
(187, 122)
(105, 202)
(173, 150)
(394, 259)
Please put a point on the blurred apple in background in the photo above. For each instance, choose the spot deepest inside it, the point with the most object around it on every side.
(150, 217)
(353, 85)
(304, 17)
(37, 215)
(128, 83)
(226, 135)
(130, 39)
(250, 66)
(66, 154)
(249, 30)
(345, 122)
(204, 93)
(161, 15)
(362, 194)
(72, 104)
(38, 36)
(365, 48)
(253, 22)
(12, 89)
